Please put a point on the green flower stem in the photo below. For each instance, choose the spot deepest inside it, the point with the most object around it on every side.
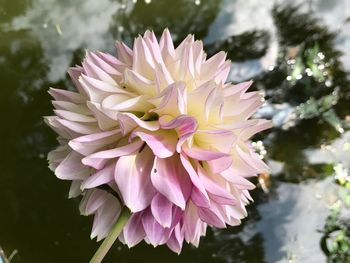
(112, 236)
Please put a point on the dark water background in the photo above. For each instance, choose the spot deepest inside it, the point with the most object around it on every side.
(298, 53)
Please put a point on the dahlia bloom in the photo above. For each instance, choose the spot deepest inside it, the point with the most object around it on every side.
(157, 129)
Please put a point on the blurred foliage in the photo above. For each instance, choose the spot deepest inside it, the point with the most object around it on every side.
(336, 240)
(336, 234)
(248, 45)
(342, 176)
(310, 78)
(305, 172)
(322, 108)
(308, 64)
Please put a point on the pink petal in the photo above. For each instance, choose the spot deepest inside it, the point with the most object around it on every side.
(184, 125)
(199, 195)
(166, 45)
(139, 83)
(237, 126)
(74, 190)
(238, 89)
(156, 234)
(98, 60)
(212, 216)
(186, 66)
(75, 73)
(97, 160)
(125, 54)
(213, 105)
(112, 100)
(103, 176)
(142, 59)
(91, 143)
(153, 46)
(132, 175)
(78, 128)
(177, 215)
(105, 120)
(162, 143)
(176, 239)
(105, 217)
(186, 42)
(70, 106)
(129, 121)
(236, 213)
(251, 158)
(98, 90)
(133, 232)
(171, 180)
(243, 109)
(216, 192)
(99, 86)
(71, 168)
(210, 67)
(198, 55)
(124, 103)
(221, 140)
(242, 164)
(115, 63)
(220, 164)
(202, 154)
(239, 181)
(94, 200)
(162, 210)
(94, 71)
(191, 223)
(198, 97)
(56, 156)
(222, 72)
(258, 127)
(173, 100)
(66, 95)
(163, 77)
(60, 129)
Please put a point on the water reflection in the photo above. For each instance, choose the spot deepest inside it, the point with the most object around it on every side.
(64, 26)
(190, 17)
(40, 39)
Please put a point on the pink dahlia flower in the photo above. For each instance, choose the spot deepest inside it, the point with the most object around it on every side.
(157, 129)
